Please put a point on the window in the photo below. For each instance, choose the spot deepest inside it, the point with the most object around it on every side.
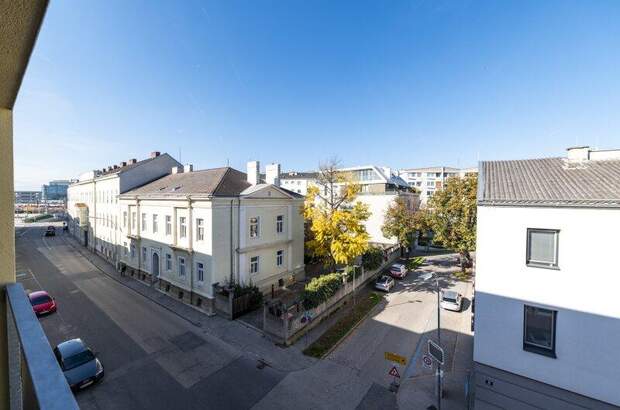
(539, 330)
(280, 258)
(254, 228)
(125, 248)
(133, 251)
(133, 220)
(168, 225)
(182, 227)
(155, 223)
(200, 271)
(429, 193)
(280, 223)
(143, 222)
(200, 229)
(254, 264)
(181, 266)
(542, 248)
(168, 262)
(430, 183)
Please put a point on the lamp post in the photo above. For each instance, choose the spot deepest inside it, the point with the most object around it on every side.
(438, 341)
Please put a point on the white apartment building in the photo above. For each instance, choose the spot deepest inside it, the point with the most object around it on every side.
(92, 201)
(298, 182)
(429, 180)
(547, 315)
(191, 230)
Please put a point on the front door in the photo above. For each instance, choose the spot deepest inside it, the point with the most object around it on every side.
(155, 264)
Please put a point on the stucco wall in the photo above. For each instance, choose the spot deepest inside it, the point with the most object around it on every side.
(588, 318)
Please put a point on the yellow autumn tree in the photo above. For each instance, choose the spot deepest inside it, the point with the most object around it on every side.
(336, 231)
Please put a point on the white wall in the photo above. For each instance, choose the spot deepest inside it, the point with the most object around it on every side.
(378, 204)
(582, 291)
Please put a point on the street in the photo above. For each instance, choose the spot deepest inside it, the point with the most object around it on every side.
(153, 358)
(159, 356)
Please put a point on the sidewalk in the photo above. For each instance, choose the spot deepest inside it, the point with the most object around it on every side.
(245, 339)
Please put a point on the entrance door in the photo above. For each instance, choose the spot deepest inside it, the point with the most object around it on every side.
(86, 239)
(155, 264)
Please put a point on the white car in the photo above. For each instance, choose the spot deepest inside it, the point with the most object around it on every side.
(384, 283)
(451, 300)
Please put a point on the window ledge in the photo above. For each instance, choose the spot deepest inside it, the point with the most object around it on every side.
(539, 350)
(542, 266)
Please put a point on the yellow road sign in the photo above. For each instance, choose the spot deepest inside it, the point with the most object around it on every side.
(393, 357)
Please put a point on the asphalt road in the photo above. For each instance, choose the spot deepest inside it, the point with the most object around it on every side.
(153, 359)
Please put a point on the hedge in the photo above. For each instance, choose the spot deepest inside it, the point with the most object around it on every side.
(414, 263)
(321, 289)
(372, 258)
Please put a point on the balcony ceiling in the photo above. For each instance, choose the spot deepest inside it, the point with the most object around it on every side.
(19, 25)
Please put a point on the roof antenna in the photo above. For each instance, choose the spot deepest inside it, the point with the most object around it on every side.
(180, 157)
(227, 163)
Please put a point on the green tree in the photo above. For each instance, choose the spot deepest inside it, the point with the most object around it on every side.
(452, 216)
(399, 222)
(336, 222)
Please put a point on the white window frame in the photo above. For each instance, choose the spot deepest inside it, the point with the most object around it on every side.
(182, 227)
(155, 224)
(280, 258)
(254, 233)
(200, 271)
(168, 262)
(280, 224)
(200, 229)
(143, 222)
(168, 225)
(181, 264)
(254, 265)
(542, 264)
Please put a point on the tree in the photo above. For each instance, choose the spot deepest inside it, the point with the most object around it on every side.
(452, 216)
(336, 222)
(399, 222)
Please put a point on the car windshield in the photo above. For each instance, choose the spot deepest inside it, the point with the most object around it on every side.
(39, 300)
(449, 299)
(77, 359)
(382, 279)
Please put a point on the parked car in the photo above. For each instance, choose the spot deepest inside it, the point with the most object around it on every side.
(398, 270)
(42, 302)
(451, 300)
(79, 364)
(384, 283)
(51, 231)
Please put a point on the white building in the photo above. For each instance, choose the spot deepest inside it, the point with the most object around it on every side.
(431, 179)
(190, 230)
(298, 182)
(92, 201)
(547, 315)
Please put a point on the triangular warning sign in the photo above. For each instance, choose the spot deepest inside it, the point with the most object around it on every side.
(394, 372)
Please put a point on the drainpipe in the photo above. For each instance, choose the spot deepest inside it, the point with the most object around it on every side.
(231, 243)
(190, 232)
(238, 234)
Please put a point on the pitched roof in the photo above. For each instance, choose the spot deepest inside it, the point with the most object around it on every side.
(299, 175)
(255, 188)
(127, 167)
(550, 182)
(223, 181)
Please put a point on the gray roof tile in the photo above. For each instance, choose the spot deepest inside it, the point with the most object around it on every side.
(550, 182)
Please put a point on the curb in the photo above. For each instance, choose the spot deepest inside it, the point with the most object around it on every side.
(168, 308)
(346, 335)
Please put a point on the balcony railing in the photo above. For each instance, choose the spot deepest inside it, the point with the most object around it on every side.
(35, 378)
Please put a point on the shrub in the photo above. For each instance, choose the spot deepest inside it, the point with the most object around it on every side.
(372, 258)
(256, 297)
(320, 289)
(351, 271)
(414, 263)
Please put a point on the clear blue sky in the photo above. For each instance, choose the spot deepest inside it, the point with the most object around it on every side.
(402, 84)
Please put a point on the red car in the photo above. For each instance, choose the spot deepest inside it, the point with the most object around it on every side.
(42, 302)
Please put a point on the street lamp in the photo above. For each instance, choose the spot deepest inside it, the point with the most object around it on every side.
(438, 339)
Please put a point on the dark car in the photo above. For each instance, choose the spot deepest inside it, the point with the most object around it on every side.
(42, 302)
(79, 364)
(51, 231)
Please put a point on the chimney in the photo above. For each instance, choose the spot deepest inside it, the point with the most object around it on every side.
(110, 168)
(188, 168)
(154, 154)
(177, 170)
(253, 168)
(115, 166)
(132, 161)
(122, 164)
(576, 154)
(272, 174)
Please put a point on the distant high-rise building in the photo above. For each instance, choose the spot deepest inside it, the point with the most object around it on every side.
(55, 190)
(27, 197)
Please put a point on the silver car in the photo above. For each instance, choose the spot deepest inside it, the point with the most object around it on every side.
(384, 283)
(451, 300)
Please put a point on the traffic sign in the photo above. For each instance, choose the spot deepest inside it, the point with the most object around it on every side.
(427, 361)
(396, 358)
(394, 372)
(435, 351)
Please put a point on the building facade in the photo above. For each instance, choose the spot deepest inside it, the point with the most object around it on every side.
(191, 230)
(27, 197)
(92, 201)
(298, 182)
(55, 190)
(547, 322)
(428, 180)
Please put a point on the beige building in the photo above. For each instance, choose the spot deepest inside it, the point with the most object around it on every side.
(431, 179)
(191, 230)
(92, 201)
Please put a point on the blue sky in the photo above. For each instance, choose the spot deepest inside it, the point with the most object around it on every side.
(402, 84)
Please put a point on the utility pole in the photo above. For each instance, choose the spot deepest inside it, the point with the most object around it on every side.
(439, 343)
